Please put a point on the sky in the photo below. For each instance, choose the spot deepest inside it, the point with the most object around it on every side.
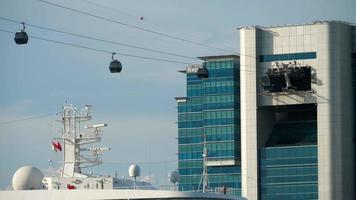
(138, 104)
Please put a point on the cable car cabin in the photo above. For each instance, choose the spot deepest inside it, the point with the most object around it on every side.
(115, 66)
(297, 79)
(274, 82)
(203, 73)
(300, 78)
(21, 37)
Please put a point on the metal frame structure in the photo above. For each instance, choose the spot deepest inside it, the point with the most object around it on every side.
(75, 156)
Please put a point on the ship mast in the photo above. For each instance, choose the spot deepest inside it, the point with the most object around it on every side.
(75, 157)
(204, 178)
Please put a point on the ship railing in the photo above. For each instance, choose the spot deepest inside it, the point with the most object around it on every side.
(137, 187)
(216, 190)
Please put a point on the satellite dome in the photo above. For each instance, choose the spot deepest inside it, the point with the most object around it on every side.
(27, 178)
(134, 170)
(173, 176)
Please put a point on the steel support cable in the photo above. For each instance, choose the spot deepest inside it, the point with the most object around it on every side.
(142, 163)
(99, 50)
(115, 10)
(97, 39)
(134, 26)
(109, 52)
(26, 119)
(107, 41)
(139, 28)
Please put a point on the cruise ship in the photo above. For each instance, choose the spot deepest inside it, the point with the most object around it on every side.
(72, 183)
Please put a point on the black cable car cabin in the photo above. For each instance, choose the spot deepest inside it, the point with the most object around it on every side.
(115, 65)
(21, 37)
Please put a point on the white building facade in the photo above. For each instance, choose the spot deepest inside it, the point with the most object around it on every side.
(297, 111)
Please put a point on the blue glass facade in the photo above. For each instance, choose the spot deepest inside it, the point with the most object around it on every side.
(288, 56)
(289, 172)
(211, 111)
(288, 165)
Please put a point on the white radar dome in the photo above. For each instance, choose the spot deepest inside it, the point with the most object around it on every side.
(27, 178)
(173, 176)
(134, 170)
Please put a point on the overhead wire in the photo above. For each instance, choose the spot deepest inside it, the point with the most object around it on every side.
(133, 26)
(116, 10)
(139, 28)
(107, 51)
(143, 163)
(99, 50)
(26, 119)
(103, 40)
(138, 18)
(97, 39)
(110, 8)
(107, 41)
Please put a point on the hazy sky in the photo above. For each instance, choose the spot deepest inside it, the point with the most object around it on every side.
(138, 104)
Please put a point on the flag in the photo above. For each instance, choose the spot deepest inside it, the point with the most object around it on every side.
(56, 146)
(70, 187)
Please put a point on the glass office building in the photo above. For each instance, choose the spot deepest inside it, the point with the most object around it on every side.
(210, 115)
(298, 111)
(289, 162)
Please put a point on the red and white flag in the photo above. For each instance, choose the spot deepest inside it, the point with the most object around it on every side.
(56, 146)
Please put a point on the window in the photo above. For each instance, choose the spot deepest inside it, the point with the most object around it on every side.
(289, 172)
(291, 56)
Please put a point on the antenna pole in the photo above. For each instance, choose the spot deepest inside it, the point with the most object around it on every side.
(204, 178)
(74, 157)
(149, 161)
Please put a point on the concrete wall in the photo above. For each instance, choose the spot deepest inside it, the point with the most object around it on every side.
(249, 154)
(335, 120)
(284, 40)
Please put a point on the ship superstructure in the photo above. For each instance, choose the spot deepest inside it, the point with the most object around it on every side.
(77, 154)
(75, 145)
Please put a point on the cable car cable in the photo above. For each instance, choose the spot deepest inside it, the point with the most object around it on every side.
(109, 52)
(107, 41)
(98, 39)
(115, 10)
(203, 73)
(134, 26)
(99, 50)
(26, 119)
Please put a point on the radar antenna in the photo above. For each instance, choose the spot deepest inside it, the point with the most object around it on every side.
(75, 156)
